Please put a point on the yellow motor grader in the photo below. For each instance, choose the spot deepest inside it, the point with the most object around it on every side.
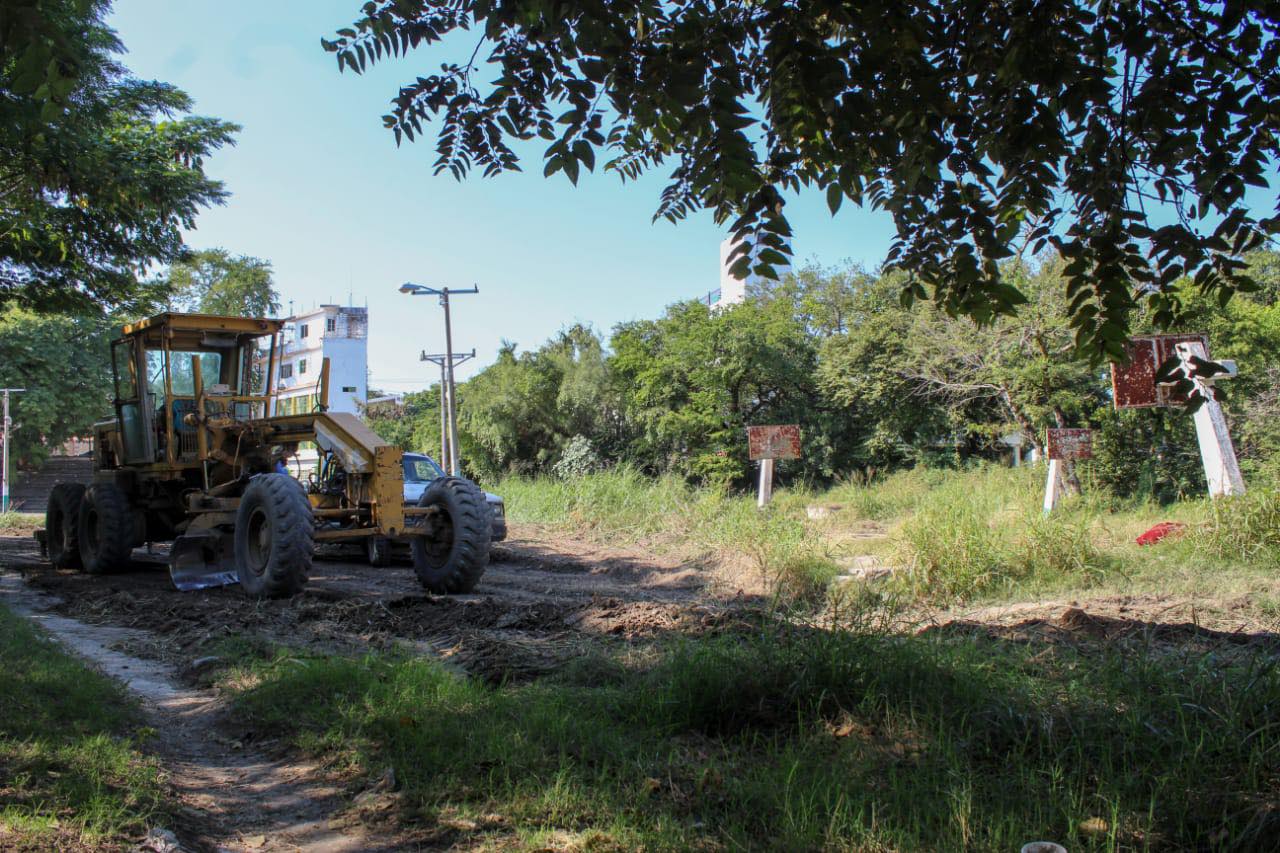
(195, 455)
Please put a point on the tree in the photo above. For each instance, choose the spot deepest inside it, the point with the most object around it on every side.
(693, 380)
(413, 423)
(64, 362)
(1124, 135)
(99, 172)
(213, 282)
(522, 412)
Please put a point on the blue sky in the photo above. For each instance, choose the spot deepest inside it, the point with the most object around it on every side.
(319, 189)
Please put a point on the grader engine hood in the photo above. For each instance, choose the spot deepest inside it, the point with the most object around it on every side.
(361, 451)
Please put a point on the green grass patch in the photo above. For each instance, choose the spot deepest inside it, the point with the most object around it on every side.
(70, 772)
(790, 739)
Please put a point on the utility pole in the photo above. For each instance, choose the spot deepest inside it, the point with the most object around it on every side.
(4, 455)
(448, 453)
(411, 289)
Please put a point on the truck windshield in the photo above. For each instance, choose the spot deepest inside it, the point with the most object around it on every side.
(183, 381)
(421, 469)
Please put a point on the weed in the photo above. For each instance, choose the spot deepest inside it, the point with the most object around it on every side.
(19, 522)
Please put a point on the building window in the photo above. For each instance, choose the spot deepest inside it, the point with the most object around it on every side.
(286, 370)
(302, 365)
(331, 324)
(348, 389)
(302, 330)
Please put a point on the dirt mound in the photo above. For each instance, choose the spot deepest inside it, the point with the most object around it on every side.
(1079, 627)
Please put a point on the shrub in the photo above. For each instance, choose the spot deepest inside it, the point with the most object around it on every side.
(578, 459)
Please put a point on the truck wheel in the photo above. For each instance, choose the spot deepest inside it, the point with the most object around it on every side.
(105, 529)
(378, 550)
(452, 555)
(274, 537)
(61, 518)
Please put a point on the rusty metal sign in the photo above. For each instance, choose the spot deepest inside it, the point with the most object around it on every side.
(774, 442)
(1069, 444)
(1133, 385)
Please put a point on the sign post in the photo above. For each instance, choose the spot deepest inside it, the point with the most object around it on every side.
(1221, 469)
(767, 443)
(1139, 384)
(765, 493)
(1063, 447)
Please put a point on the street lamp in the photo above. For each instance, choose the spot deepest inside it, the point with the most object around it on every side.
(411, 289)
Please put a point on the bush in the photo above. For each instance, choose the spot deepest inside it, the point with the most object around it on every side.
(577, 460)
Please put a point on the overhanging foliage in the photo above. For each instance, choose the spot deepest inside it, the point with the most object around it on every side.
(1124, 134)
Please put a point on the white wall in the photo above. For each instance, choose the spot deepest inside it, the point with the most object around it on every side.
(348, 368)
(733, 291)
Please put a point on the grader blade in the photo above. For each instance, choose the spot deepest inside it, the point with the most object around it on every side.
(201, 559)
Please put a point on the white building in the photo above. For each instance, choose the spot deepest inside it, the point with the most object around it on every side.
(733, 291)
(338, 333)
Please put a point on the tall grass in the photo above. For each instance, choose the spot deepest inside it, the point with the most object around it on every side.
(983, 530)
(1246, 527)
(18, 522)
(952, 535)
(622, 504)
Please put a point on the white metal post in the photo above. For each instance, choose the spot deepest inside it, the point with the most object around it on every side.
(1052, 485)
(4, 473)
(766, 482)
(1221, 469)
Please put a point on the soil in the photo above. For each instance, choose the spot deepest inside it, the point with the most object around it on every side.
(1225, 624)
(545, 599)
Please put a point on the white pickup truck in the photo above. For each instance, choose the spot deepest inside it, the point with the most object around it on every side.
(420, 470)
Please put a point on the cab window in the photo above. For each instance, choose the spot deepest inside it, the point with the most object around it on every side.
(421, 470)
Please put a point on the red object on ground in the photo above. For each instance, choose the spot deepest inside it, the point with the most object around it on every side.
(1160, 531)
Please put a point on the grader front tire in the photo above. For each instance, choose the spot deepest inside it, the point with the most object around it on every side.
(377, 550)
(274, 537)
(453, 555)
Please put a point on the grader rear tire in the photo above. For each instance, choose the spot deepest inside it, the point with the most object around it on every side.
(61, 520)
(274, 537)
(452, 556)
(105, 529)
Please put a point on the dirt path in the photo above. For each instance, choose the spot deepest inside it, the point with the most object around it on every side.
(1157, 620)
(231, 797)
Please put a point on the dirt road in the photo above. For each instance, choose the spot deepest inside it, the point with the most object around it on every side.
(542, 601)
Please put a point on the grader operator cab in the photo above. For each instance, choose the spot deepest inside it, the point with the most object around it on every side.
(196, 456)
